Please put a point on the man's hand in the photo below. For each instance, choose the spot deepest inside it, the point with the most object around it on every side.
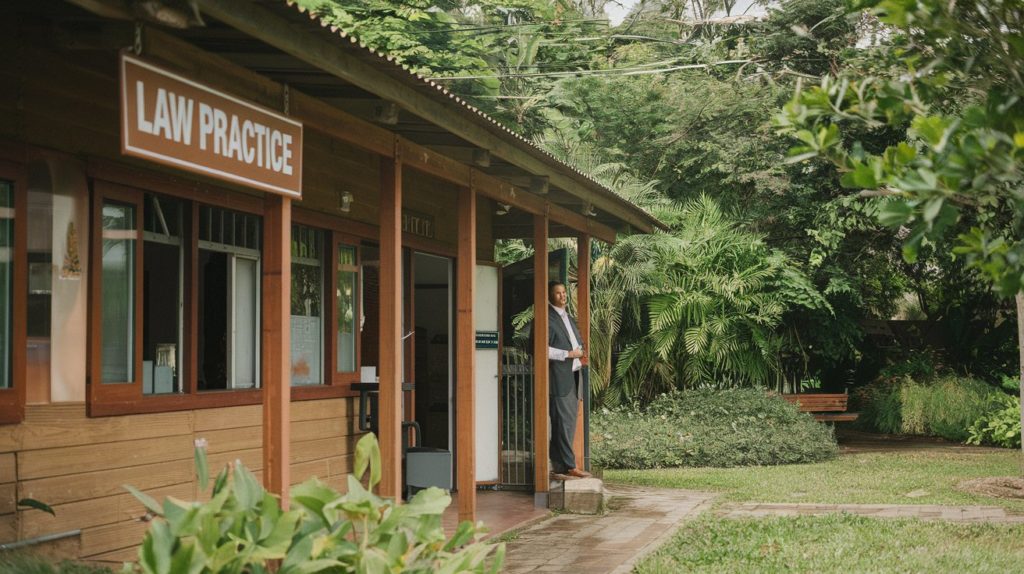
(576, 354)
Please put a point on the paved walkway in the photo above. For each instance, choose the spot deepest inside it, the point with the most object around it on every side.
(639, 521)
(992, 514)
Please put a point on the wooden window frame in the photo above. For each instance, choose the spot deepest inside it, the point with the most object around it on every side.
(12, 400)
(335, 231)
(128, 185)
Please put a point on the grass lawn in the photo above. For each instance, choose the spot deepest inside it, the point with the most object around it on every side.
(839, 543)
(928, 477)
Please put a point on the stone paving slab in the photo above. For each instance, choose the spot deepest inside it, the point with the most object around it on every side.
(992, 514)
(640, 519)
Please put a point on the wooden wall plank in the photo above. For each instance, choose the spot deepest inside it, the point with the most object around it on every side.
(304, 471)
(228, 440)
(8, 528)
(93, 457)
(52, 426)
(252, 459)
(8, 498)
(317, 429)
(305, 451)
(110, 537)
(228, 418)
(97, 484)
(96, 512)
(323, 409)
(8, 468)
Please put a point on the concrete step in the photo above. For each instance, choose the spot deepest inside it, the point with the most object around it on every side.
(579, 496)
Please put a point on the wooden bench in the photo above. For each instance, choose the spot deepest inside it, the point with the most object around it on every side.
(829, 407)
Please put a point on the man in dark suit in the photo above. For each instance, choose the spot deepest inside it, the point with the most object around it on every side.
(565, 351)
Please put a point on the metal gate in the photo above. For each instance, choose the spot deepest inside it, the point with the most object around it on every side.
(517, 419)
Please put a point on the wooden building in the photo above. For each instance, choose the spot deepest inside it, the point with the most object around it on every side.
(213, 224)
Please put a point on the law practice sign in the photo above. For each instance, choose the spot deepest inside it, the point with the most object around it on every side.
(178, 122)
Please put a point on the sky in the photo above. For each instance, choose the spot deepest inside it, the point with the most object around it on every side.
(617, 11)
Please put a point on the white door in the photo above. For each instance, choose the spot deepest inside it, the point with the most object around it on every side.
(485, 316)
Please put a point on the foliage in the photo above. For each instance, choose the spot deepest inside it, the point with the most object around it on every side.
(961, 161)
(715, 298)
(725, 428)
(876, 477)
(999, 427)
(946, 406)
(836, 544)
(24, 563)
(243, 529)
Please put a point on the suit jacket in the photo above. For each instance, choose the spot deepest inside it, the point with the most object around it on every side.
(561, 379)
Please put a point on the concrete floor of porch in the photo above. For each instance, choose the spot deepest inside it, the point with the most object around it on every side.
(500, 510)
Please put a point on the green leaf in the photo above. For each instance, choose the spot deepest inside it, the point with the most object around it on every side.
(248, 490)
(146, 500)
(33, 503)
(202, 470)
(894, 212)
(368, 454)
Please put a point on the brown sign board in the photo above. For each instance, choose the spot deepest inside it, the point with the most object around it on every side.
(178, 122)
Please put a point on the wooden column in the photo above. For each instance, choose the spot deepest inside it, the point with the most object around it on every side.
(276, 359)
(583, 322)
(541, 478)
(465, 353)
(390, 354)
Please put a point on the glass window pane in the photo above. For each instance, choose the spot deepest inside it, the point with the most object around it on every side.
(162, 287)
(307, 327)
(346, 304)
(246, 327)
(118, 293)
(6, 281)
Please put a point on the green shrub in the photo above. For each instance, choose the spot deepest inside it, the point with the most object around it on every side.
(25, 563)
(999, 427)
(722, 428)
(945, 406)
(243, 529)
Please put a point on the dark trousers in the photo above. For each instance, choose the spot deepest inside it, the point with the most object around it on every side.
(563, 412)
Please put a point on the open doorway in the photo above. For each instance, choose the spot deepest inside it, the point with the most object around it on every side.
(432, 323)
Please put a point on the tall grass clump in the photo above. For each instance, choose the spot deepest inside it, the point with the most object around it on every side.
(945, 406)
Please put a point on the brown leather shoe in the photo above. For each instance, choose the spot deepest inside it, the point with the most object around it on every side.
(575, 472)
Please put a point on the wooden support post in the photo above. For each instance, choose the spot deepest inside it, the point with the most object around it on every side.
(465, 353)
(583, 322)
(276, 359)
(541, 478)
(390, 353)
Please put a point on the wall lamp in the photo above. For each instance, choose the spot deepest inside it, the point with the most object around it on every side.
(345, 201)
(503, 209)
(588, 210)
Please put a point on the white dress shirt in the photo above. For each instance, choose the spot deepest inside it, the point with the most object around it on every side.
(561, 354)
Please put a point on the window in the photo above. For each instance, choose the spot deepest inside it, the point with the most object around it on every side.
(177, 298)
(6, 285)
(307, 298)
(345, 307)
(163, 267)
(118, 263)
(13, 293)
(229, 299)
(176, 302)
